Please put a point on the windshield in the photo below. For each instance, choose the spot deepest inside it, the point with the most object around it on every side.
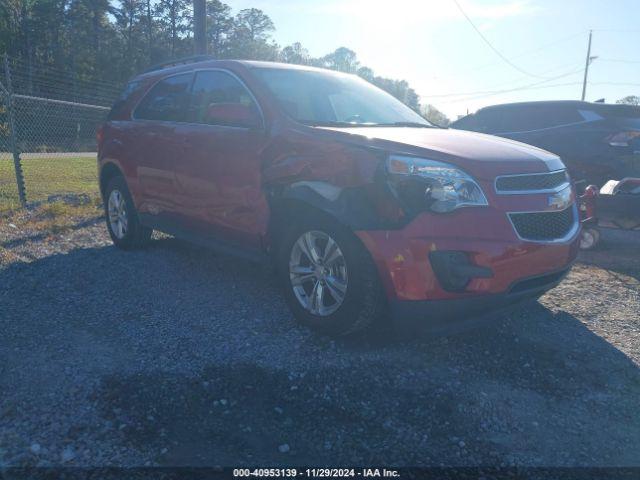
(326, 98)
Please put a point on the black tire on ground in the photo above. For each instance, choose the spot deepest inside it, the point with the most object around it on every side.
(135, 235)
(364, 303)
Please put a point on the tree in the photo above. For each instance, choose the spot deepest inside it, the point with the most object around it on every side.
(219, 25)
(399, 89)
(295, 53)
(251, 36)
(149, 29)
(342, 59)
(18, 39)
(85, 50)
(88, 30)
(253, 24)
(435, 116)
(127, 16)
(175, 21)
(366, 73)
(630, 100)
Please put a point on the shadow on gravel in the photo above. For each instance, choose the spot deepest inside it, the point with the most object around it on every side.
(200, 364)
(41, 236)
(617, 252)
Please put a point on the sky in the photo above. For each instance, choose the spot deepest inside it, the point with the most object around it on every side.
(430, 44)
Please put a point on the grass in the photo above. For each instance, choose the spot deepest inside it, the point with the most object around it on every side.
(45, 221)
(52, 218)
(59, 217)
(45, 177)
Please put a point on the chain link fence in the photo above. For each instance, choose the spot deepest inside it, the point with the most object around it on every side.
(47, 137)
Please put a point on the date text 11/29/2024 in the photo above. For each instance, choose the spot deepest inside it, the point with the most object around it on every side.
(316, 472)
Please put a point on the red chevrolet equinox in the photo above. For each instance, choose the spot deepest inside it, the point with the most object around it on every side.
(365, 208)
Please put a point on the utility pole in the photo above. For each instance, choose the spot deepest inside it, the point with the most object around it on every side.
(200, 26)
(586, 67)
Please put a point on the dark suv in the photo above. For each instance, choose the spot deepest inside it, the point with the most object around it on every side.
(363, 206)
(597, 141)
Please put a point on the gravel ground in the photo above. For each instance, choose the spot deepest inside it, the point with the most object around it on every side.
(176, 356)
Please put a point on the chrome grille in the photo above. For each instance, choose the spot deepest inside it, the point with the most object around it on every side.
(531, 183)
(544, 226)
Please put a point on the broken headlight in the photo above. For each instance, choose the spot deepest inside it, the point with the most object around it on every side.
(438, 186)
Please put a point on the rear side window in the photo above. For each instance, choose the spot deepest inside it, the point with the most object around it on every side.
(216, 88)
(536, 117)
(167, 100)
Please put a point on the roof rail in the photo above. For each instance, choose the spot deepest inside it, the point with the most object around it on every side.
(180, 61)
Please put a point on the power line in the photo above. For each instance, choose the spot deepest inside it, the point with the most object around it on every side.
(541, 48)
(614, 30)
(496, 51)
(493, 88)
(622, 84)
(555, 85)
(494, 92)
(617, 60)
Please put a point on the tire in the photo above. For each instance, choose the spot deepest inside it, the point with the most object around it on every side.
(363, 302)
(122, 218)
(589, 239)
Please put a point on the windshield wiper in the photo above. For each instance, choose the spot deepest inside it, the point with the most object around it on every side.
(405, 124)
(336, 124)
(364, 124)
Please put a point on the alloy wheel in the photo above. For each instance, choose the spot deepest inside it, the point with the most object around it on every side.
(318, 273)
(117, 212)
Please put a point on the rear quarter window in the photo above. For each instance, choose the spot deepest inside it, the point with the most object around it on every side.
(618, 111)
(122, 103)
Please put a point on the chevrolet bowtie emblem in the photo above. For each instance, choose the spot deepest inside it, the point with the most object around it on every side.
(560, 200)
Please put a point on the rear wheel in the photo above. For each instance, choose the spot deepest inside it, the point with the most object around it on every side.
(330, 282)
(122, 218)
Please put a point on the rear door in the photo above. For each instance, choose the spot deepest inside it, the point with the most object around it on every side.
(160, 118)
(219, 178)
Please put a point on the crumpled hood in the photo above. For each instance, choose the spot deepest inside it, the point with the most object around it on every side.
(483, 156)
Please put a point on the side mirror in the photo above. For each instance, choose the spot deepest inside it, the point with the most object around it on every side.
(232, 115)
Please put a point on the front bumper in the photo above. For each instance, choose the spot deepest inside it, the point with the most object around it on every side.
(442, 312)
(518, 269)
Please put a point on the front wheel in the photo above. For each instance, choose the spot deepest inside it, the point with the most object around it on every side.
(590, 238)
(125, 229)
(331, 283)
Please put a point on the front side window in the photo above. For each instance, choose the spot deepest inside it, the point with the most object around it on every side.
(167, 100)
(466, 123)
(315, 97)
(219, 98)
(519, 119)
